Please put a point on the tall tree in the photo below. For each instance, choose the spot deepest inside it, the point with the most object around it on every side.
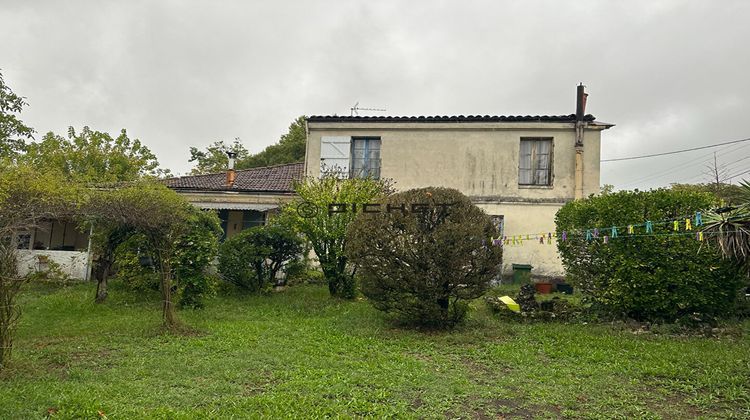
(214, 158)
(93, 156)
(13, 132)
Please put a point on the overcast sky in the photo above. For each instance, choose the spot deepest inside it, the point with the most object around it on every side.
(670, 74)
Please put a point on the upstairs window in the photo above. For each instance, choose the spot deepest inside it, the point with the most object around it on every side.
(535, 164)
(365, 160)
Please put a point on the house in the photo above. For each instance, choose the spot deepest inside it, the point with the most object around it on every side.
(519, 169)
(243, 198)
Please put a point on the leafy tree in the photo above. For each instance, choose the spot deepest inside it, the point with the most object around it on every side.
(289, 149)
(424, 261)
(214, 158)
(315, 214)
(659, 276)
(27, 198)
(252, 258)
(94, 156)
(155, 212)
(13, 131)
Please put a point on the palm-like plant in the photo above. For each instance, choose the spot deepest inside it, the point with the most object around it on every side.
(730, 228)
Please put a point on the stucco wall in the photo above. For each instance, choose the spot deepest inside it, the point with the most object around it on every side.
(72, 263)
(480, 160)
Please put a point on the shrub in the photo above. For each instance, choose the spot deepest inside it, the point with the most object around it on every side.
(326, 231)
(655, 277)
(252, 258)
(135, 264)
(423, 266)
(196, 251)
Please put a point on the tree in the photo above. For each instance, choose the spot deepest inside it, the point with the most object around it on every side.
(425, 260)
(13, 132)
(160, 215)
(252, 258)
(322, 212)
(289, 149)
(728, 193)
(214, 158)
(27, 198)
(94, 156)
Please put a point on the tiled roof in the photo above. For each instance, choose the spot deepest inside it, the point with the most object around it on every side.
(454, 118)
(278, 178)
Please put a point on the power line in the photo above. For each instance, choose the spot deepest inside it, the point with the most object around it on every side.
(687, 164)
(673, 152)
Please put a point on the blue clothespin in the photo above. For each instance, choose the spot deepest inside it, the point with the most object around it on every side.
(614, 231)
(649, 227)
(698, 219)
(588, 234)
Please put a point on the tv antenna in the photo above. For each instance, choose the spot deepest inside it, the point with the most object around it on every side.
(355, 109)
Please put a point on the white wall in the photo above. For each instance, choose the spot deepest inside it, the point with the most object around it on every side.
(72, 263)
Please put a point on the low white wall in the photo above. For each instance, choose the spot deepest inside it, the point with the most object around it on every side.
(72, 263)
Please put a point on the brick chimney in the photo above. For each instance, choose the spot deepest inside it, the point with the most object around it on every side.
(230, 169)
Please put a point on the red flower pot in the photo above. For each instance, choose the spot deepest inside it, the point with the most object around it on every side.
(543, 288)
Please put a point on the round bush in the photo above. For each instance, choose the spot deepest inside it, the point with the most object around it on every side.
(423, 264)
(654, 277)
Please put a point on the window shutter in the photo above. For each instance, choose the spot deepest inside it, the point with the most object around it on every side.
(334, 155)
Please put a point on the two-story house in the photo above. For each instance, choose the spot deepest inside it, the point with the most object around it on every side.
(521, 169)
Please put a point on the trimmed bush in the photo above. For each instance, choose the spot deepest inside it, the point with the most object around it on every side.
(252, 258)
(423, 265)
(647, 277)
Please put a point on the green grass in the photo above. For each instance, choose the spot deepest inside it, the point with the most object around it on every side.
(301, 354)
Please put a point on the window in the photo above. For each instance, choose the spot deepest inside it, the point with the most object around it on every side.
(535, 165)
(365, 160)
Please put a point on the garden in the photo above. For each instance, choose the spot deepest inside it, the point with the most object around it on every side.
(375, 314)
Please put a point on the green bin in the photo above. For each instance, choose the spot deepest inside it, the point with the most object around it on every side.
(522, 273)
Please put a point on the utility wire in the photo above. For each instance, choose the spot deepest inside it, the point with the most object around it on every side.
(674, 152)
(687, 164)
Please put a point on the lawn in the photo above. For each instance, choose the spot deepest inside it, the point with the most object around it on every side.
(299, 353)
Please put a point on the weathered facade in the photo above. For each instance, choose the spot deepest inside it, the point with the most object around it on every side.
(520, 169)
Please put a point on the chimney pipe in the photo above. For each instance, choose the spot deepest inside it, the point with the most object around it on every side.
(581, 96)
(230, 169)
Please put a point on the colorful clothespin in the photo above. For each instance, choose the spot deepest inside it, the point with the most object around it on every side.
(541, 238)
(676, 225)
(687, 225)
(549, 238)
(588, 234)
(565, 235)
(631, 230)
(698, 219)
(596, 232)
(614, 231)
(699, 236)
(606, 239)
(649, 227)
